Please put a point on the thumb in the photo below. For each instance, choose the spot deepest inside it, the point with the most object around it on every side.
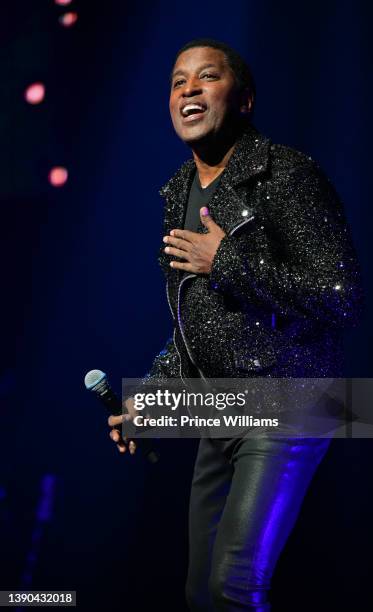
(206, 220)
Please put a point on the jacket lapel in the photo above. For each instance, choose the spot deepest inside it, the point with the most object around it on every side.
(249, 159)
(176, 192)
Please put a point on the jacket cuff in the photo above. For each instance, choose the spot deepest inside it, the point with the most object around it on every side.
(165, 365)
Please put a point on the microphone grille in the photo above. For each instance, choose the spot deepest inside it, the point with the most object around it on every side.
(93, 377)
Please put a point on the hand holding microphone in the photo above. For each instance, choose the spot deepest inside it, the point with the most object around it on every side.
(97, 381)
(116, 434)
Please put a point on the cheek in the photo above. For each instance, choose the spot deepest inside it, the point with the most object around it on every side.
(220, 102)
(172, 108)
(225, 94)
(218, 109)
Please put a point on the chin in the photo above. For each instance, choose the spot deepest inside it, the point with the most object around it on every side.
(194, 135)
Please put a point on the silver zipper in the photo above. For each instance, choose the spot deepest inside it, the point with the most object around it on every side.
(181, 327)
(169, 303)
(175, 345)
(181, 376)
(177, 350)
(184, 339)
(240, 225)
(168, 299)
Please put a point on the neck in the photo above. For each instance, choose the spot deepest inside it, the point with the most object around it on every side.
(213, 153)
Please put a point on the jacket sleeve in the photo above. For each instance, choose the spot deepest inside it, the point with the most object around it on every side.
(300, 261)
(165, 365)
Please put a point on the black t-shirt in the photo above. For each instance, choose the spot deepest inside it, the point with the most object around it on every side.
(198, 197)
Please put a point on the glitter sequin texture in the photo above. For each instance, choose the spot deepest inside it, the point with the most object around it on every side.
(285, 279)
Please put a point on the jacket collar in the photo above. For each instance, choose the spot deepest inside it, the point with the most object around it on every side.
(249, 159)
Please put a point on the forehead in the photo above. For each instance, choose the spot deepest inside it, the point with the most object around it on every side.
(191, 59)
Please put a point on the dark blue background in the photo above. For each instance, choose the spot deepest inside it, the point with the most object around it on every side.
(82, 289)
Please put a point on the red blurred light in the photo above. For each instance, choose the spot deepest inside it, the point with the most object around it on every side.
(58, 176)
(68, 19)
(35, 93)
(62, 2)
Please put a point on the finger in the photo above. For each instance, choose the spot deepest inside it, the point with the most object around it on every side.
(127, 417)
(132, 447)
(182, 266)
(177, 242)
(114, 420)
(177, 253)
(184, 234)
(116, 436)
(120, 443)
(206, 219)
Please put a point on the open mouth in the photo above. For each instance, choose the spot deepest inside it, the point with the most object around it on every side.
(193, 111)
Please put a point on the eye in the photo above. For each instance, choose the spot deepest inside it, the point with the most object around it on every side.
(177, 83)
(209, 75)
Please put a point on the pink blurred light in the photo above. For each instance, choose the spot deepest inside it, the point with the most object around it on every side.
(58, 176)
(68, 19)
(35, 93)
(62, 2)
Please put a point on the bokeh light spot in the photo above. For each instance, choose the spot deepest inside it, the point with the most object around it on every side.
(68, 19)
(58, 176)
(35, 93)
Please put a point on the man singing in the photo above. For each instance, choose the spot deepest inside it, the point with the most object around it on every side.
(261, 278)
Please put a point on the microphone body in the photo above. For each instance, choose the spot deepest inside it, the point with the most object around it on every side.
(96, 381)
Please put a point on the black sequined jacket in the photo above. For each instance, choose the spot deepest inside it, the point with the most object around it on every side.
(285, 279)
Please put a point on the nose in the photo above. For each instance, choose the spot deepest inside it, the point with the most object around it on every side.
(191, 88)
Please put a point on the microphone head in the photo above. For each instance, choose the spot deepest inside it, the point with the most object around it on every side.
(93, 378)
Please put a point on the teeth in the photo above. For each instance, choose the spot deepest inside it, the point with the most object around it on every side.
(190, 107)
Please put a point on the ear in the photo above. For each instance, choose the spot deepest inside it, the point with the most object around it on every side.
(247, 100)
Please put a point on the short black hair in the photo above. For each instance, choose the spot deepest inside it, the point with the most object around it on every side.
(240, 68)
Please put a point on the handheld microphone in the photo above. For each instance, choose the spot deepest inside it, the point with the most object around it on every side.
(96, 381)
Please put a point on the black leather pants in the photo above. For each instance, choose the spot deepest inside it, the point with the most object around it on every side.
(245, 498)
